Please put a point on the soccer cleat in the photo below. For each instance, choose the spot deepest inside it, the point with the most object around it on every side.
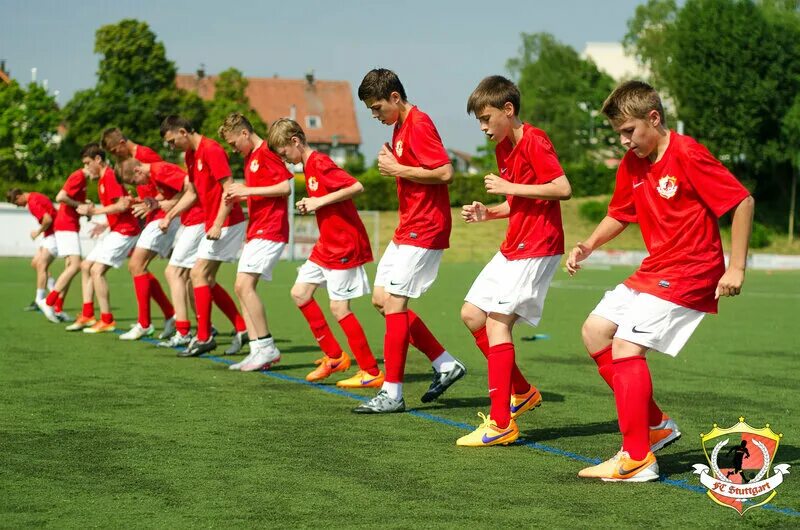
(169, 329)
(101, 327)
(328, 366)
(362, 379)
(33, 306)
(381, 404)
(80, 323)
(47, 310)
(237, 343)
(261, 359)
(488, 433)
(622, 468)
(663, 434)
(197, 347)
(524, 402)
(64, 317)
(442, 381)
(176, 341)
(137, 332)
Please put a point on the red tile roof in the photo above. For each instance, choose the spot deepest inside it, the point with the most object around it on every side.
(4, 78)
(273, 98)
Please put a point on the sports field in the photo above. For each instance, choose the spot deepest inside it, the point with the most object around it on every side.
(100, 433)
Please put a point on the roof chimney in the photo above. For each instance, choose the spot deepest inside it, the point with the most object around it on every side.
(201, 72)
(310, 77)
(2, 65)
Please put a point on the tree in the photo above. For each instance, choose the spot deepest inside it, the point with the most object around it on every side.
(135, 88)
(648, 39)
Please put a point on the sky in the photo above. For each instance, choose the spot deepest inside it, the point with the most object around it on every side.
(440, 49)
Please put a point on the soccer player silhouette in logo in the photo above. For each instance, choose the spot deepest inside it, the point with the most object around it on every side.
(739, 452)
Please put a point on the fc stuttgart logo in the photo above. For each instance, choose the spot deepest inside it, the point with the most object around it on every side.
(398, 148)
(313, 183)
(667, 187)
(199, 165)
(254, 165)
(744, 480)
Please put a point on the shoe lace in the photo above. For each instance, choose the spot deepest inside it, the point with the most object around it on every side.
(486, 420)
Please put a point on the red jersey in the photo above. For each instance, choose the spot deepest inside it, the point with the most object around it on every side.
(168, 179)
(147, 156)
(534, 225)
(424, 208)
(207, 166)
(67, 218)
(676, 202)
(39, 205)
(269, 216)
(109, 189)
(343, 242)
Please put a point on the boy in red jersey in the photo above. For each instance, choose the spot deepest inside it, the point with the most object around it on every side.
(266, 188)
(68, 243)
(675, 189)
(114, 247)
(42, 209)
(210, 178)
(513, 286)
(337, 260)
(419, 163)
(170, 181)
(151, 243)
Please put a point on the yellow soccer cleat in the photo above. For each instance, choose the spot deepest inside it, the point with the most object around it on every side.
(622, 468)
(101, 327)
(489, 434)
(80, 323)
(362, 380)
(327, 366)
(524, 402)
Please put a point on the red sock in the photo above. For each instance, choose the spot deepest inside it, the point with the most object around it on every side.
(88, 310)
(52, 298)
(106, 318)
(183, 326)
(501, 362)
(633, 390)
(158, 294)
(320, 329)
(228, 306)
(606, 368)
(202, 299)
(358, 344)
(59, 307)
(421, 337)
(519, 385)
(141, 284)
(395, 346)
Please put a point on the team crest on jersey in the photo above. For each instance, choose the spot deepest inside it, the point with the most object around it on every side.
(254, 165)
(199, 165)
(667, 186)
(313, 183)
(739, 458)
(398, 148)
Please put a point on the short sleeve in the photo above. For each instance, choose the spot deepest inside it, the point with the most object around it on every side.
(714, 184)
(37, 207)
(622, 207)
(272, 170)
(171, 177)
(333, 177)
(426, 144)
(113, 189)
(543, 158)
(75, 183)
(217, 162)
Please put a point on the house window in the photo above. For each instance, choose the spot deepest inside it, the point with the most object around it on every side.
(313, 122)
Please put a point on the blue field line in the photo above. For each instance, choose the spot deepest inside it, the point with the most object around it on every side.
(664, 479)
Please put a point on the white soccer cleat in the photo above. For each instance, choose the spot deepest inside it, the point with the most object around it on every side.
(169, 329)
(48, 311)
(137, 332)
(261, 359)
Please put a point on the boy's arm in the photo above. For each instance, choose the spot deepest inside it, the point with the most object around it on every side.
(238, 191)
(390, 167)
(63, 197)
(557, 189)
(47, 222)
(608, 229)
(188, 196)
(119, 206)
(742, 223)
(225, 206)
(477, 212)
(311, 204)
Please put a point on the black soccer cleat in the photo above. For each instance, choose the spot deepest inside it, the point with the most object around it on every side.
(442, 381)
(196, 348)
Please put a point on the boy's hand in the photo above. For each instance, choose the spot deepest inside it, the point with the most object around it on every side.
(214, 233)
(474, 213)
(308, 204)
(167, 204)
(496, 185)
(85, 209)
(236, 192)
(730, 284)
(142, 208)
(97, 230)
(576, 255)
(387, 163)
(163, 224)
(34, 234)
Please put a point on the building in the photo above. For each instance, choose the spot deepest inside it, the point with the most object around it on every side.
(324, 109)
(611, 58)
(4, 76)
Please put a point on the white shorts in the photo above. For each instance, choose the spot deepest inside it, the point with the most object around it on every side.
(49, 244)
(152, 238)
(68, 243)
(512, 287)
(187, 240)
(259, 256)
(342, 284)
(226, 248)
(407, 271)
(112, 249)
(647, 320)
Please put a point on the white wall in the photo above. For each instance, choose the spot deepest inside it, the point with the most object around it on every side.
(16, 225)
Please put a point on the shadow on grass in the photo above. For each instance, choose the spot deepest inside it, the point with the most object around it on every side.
(571, 431)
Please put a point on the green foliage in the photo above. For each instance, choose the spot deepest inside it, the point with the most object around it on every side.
(761, 236)
(589, 178)
(593, 211)
(649, 40)
(354, 164)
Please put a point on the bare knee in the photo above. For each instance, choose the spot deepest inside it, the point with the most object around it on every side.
(137, 267)
(597, 333)
(473, 317)
(97, 270)
(378, 302)
(300, 295)
(198, 276)
(340, 309)
(86, 267)
(242, 286)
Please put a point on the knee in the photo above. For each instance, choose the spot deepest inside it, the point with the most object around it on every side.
(86, 266)
(299, 295)
(96, 271)
(595, 336)
(241, 286)
(198, 276)
(473, 317)
(136, 267)
(339, 309)
(378, 303)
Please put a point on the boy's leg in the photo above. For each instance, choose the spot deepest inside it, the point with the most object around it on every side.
(303, 296)
(357, 340)
(395, 344)
(99, 283)
(178, 281)
(255, 317)
(137, 266)
(202, 274)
